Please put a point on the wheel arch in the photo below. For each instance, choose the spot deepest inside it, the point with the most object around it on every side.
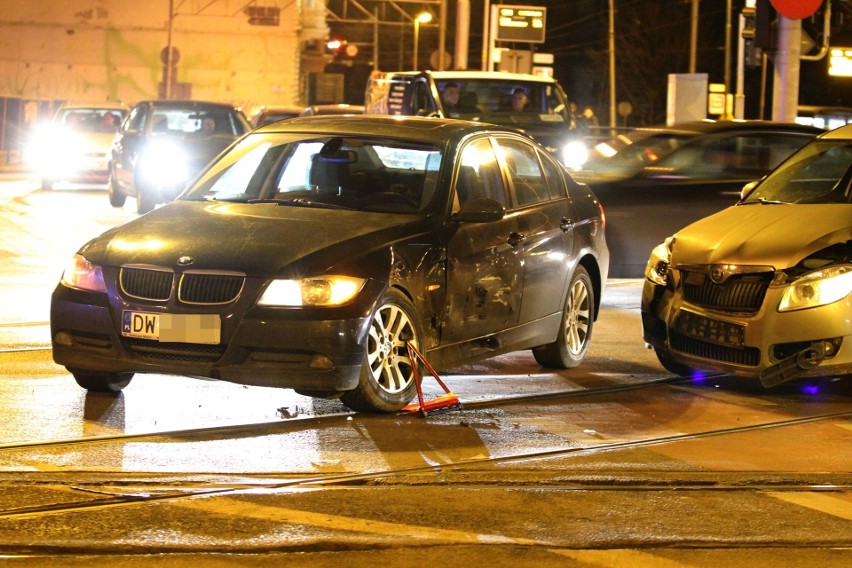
(591, 265)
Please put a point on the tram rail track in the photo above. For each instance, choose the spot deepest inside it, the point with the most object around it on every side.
(294, 424)
(124, 499)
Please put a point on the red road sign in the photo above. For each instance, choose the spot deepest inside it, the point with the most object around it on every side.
(796, 9)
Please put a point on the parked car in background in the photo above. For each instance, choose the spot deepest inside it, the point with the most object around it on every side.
(654, 181)
(313, 252)
(341, 108)
(163, 144)
(75, 146)
(762, 289)
(545, 113)
(267, 115)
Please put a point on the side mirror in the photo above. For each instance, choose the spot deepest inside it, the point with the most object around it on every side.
(480, 210)
(749, 187)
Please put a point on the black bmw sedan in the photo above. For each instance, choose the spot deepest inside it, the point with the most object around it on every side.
(314, 251)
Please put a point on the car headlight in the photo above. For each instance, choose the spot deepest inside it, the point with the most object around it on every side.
(83, 275)
(54, 149)
(574, 154)
(657, 270)
(319, 291)
(818, 288)
(164, 163)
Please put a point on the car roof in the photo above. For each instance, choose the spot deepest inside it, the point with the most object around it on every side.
(423, 129)
(721, 126)
(106, 105)
(472, 75)
(841, 133)
(159, 103)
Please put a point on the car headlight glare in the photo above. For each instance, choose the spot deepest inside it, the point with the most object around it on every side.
(318, 291)
(164, 163)
(657, 270)
(818, 288)
(574, 155)
(83, 275)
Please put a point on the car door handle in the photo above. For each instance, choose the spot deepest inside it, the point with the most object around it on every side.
(516, 238)
(565, 224)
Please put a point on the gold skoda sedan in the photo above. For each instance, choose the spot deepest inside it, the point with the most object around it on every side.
(762, 289)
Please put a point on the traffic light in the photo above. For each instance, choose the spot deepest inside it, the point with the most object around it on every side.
(749, 14)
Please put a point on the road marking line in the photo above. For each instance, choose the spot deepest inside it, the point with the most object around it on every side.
(821, 502)
(618, 558)
(237, 508)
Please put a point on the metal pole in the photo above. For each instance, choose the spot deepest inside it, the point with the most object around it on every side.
(486, 40)
(376, 38)
(739, 97)
(693, 36)
(727, 114)
(442, 36)
(612, 119)
(168, 77)
(462, 33)
(416, 38)
(785, 100)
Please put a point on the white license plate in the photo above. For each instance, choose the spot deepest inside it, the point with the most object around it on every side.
(172, 328)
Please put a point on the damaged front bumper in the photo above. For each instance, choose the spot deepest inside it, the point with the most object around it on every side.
(764, 343)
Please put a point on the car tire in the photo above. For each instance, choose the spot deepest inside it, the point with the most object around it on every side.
(102, 382)
(575, 330)
(673, 366)
(387, 383)
(47, 184)
(146, 198)
(116, 198)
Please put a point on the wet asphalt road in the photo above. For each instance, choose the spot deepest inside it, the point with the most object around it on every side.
(621, 466)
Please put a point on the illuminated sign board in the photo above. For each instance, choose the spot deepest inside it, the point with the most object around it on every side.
(840, 62)
(520, 23)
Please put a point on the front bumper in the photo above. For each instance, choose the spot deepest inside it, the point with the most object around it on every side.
(274, 347)
(744, 344)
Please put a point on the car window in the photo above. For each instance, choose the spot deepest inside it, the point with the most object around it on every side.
(367, 174)
(479, 175)
(91, 120)
(491, 99)
(524, 171)
(553, 176)
(744, 156)
(196, 122)
(820, 173)
(137, 118)
(628, 155)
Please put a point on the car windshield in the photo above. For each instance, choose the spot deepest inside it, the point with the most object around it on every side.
(628, 155)
(92, 120)
(503, 101)
(821, 172)
(366, 174)
(196, 122)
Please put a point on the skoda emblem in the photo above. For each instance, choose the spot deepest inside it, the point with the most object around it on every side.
(718, 274)
(185, 261)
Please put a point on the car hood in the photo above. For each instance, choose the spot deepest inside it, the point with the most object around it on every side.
(258, 239)
(763, 235)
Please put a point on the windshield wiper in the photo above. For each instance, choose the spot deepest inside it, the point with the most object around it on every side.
(300, 202)
(764, 201)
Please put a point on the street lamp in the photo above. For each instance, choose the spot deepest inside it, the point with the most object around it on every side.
(422, 18)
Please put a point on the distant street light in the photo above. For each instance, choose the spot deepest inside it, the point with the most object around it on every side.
(422, 18)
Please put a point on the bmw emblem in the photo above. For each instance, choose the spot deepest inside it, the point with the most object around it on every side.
(185, 261)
